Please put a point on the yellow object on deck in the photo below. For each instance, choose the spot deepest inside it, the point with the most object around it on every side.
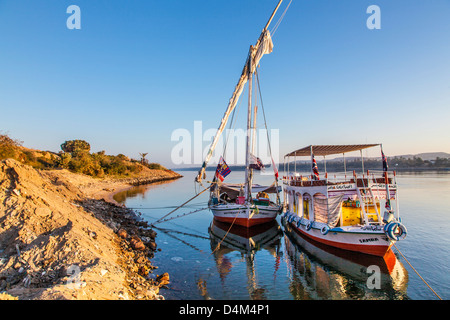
(351, 216)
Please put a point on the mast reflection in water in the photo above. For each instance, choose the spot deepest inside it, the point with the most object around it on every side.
(226, 238)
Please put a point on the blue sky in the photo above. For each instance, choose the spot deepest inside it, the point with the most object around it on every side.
(138, 70)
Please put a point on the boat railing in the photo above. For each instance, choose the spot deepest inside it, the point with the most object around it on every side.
(361, 179)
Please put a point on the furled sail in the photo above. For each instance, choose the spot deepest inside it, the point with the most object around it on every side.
(263, 46)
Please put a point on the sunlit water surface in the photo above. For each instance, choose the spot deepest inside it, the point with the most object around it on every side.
(273, 262)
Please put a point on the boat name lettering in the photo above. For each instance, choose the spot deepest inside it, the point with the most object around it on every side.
(342, 186)
(368, 240)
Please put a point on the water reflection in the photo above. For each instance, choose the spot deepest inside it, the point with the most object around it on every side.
(226, 238)
(318, 271)
(140, 191)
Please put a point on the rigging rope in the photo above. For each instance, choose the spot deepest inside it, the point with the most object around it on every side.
(280, 19)
(267, 132)
(417, 273)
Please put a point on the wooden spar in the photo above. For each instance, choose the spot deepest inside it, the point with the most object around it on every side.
(273, 14)
(233, 101)
(248, 187)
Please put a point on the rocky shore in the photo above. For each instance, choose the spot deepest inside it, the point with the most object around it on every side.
(62, 236)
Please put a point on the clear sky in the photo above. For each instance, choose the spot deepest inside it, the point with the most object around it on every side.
(138, 70)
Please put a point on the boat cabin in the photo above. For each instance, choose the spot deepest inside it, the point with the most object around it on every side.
(342, 198)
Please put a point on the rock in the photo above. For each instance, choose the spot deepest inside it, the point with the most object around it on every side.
(143, 270)
(137, 243)
(122, 233)
(42, 211)
(5, 296)
(151, 245)
(163, 279)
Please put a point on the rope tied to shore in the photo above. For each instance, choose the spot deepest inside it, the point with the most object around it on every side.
(180, 206)
(179, 216)
(417, 273)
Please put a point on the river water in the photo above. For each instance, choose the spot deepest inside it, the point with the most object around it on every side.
(273, 262)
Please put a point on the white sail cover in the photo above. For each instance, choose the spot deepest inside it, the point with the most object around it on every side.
(263, 46)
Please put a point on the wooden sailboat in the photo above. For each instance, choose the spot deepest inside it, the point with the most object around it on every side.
(244, 204)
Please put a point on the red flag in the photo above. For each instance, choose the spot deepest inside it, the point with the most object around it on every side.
(275, 169)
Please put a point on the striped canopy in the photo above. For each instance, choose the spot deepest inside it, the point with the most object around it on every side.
(325, 150)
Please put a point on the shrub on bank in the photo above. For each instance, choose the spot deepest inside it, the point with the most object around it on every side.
(76, 157)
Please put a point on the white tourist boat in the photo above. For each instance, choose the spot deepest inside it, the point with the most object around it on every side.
(245, 204)
(356, 212)
(321, 267)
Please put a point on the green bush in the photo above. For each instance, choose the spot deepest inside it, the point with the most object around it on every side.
(75, 157)
(9, 148)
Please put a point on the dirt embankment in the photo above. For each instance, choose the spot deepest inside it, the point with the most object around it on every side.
(61, 237)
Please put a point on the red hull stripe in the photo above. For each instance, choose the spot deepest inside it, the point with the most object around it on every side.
(243, 221)
(375, 250)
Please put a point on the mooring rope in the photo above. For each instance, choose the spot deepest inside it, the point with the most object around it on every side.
(179, 216)
(417, 272)
(218, 245)
(182, 205)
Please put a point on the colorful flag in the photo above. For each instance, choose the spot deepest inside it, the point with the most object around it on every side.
(256, 163)
(385, 164)
(314, 167)
(222, 169)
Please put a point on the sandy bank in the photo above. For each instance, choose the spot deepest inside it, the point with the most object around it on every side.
(62, 237)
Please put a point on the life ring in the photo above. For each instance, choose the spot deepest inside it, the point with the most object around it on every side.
(309, 225)
(395, 230)
(325, 230)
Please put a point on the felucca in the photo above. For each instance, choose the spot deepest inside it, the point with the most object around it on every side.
(244, 204)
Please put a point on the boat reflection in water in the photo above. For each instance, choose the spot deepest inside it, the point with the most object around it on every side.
(226, 238)
(318, 271)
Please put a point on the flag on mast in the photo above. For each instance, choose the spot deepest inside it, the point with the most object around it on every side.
(314, 167)
(385, 164)
(222, 169)
(256, 163)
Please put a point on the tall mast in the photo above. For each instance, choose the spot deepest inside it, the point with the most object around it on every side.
(263, 46)
(248, 187)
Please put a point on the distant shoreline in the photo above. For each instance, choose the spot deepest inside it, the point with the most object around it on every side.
(402, 169)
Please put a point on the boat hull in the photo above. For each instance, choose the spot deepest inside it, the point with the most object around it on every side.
(243, 215)
(368, 240)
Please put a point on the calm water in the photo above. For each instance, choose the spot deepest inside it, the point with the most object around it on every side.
(272, 262)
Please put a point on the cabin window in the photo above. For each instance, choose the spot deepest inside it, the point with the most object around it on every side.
(306, 205)
(295, 209)
(299, 211)
(291, 201)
